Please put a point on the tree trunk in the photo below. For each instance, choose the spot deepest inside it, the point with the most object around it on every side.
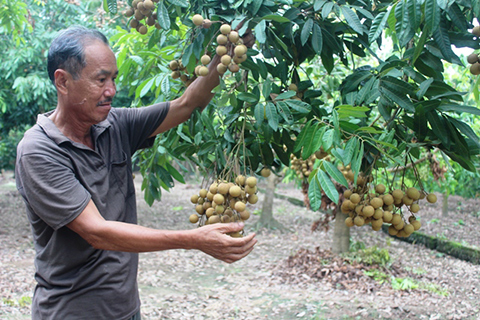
(341, 234)
(445, 205)
(266, 217)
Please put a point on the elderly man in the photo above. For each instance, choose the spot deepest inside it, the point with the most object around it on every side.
(74, 173)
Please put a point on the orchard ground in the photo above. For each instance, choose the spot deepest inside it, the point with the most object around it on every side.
(182, 284)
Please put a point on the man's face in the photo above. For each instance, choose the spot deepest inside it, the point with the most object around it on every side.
(90, 96)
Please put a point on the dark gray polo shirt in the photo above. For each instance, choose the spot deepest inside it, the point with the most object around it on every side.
(57, 178)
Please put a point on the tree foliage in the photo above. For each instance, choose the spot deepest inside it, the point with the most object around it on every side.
(385, 112)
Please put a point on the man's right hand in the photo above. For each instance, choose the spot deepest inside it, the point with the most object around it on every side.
(215, 241)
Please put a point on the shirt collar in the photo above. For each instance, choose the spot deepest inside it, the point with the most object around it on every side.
(56, 135)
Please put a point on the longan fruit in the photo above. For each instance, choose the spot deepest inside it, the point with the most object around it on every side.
(148, 4)
(387, 216)
(378, 214)
(205, 59)
(400, 225)
(235, 191)
(251, 181)
(222, 39)
(475, 68)
(213, 188)
(252, 199)
(368, 211)
(223, 188)
(397, 194)
(380, 188)
(219, 209)
(225, 29)
(221, 50)
(214, 219)
(377, 223)
(203, 193)
(388, 199)
(408, 228)
(235, 234)
(218, 198)
(194, 198)
(359, 221)
(476, 31)
(347, 194)
(240, 59)
(233, 67)
(209, 212)
(199, 209)
(206, 205)
(293, 87)
(413, 193)
(240, 206)
(240, 50)
(472, 58)
(265, 172)
(221, 68)
(355, 198)
(197, 20)
(432, 198)
(250, 190)
(396, 218)
(203, 71)
(245, 215)
(128, 13)
(414, 207)
(349, 222)
(175, 74)
(392, 231)
(233, 36)
(193, 218)
(376, 202)
(134, 23)
(226, 59)
(240, 180)
(416, 224)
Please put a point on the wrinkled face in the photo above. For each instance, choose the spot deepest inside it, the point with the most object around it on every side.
(90, 96)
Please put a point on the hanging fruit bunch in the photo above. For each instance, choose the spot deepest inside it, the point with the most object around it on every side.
(228, 46)
(474, 58)
(225, 202)
(372, 204)
(142, 14)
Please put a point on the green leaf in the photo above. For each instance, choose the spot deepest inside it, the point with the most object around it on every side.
(349, 151)
(335, 173)
(315, 194)
(327, 8)
(459, 108)
(162, 16)
(346, 110)
(327, 186)
(414, 13)
(357, 160)
(311, 137)
(317, 39)
(432, 15)
(465, 129)
(318, 4)
(147, 85)
(306, 30)
(299, 106)
(259, 113)
(256, 6)
(165, 177)
(396, 91)
(110, 6)
(260, 33)
(275, 18)
(179, 3)
(352, 19)
(378, 25)
(284, 112)
(248, 97)
(419, 123)
(272, 116)
(301, 136)
(424, 87)
(286, 95)
(175, 174)
(440, 35)
(438, 128)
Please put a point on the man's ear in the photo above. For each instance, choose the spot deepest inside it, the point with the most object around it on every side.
(62, 78)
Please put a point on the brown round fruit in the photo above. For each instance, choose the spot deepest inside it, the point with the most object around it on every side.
(347, 194)
(368, 211)
(233, 67)
(253, 198)
(235, 191)
(414, 208)
(387, 216)
(222, 39)
(355, 198)
(472, 58)
(218, 198)
(251, 181)
(240, 180)
(233, 36)
(245, 215)
(476, 31)
(221, 50)
(432, 198)
(265, 172)
(240, 50)
(206, 23)
(388, 199)
(349, 222)
(194, 198)
(475, 68)
(416, 224)
(376, 202)
(221, 68)
(240, 206)
(205, 59)
(392, 231)
(225, 29)
(380, 188)
(226, 59)
(359, 221)
(203, 71)
(413, 193)
(173, 65)
(193, 218)
(197, 20)
(397, 194)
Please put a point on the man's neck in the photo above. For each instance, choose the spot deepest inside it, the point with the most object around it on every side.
(73, 129)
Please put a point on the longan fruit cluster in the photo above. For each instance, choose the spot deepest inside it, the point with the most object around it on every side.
(179, 71)
(143, 15)
(379, 207)
(225, 202)
(229, 47)
(302, 168)
(474, 58)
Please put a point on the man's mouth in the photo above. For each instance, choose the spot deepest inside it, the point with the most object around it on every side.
(104, 103)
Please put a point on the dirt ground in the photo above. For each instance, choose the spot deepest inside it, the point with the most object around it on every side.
(183, 284)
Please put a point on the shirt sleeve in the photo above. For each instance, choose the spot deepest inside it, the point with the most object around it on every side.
(140, 123)
(51, 189)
